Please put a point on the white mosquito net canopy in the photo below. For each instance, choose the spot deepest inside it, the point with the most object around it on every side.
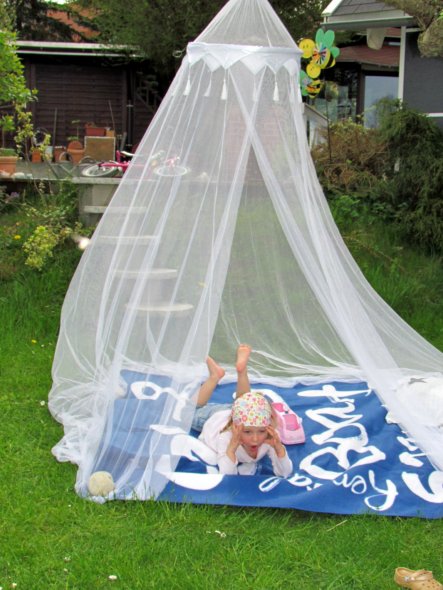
(219, 233)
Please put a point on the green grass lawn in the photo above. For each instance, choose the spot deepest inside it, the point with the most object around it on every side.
(52, 539)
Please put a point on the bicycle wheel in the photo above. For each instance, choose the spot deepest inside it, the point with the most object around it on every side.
(96, 170)
(171, 170)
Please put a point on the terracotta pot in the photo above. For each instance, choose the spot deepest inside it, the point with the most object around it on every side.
(58, 150)
(91, 131)
(75, 144)
(76, 155)
(76, 150)
(8, 164)
(36, 157)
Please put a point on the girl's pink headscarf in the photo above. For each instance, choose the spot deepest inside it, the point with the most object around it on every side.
(251, 409)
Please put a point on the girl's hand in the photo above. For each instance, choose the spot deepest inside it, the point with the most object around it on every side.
(274, 441)
(235, 441)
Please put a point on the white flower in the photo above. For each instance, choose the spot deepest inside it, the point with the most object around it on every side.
(112, 578)
(83, 243)
(42, 402)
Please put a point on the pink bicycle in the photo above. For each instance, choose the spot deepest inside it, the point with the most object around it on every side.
(111, 168)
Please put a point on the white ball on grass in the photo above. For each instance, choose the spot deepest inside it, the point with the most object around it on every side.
(101, 483)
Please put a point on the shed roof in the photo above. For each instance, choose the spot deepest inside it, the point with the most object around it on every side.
(70, 48)
(358, 14)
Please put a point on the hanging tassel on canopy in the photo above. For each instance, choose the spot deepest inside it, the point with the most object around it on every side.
(208, 89)
(276, 95)
(188, 87)
(224, 94)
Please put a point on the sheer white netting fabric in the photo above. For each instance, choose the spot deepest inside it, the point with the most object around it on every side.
(219, 233)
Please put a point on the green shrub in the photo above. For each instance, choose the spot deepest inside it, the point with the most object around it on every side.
(32, 228)
(393, 174)
(410, 192)
(351, 159)
(346, 210)
(40, 245)
(7, 152)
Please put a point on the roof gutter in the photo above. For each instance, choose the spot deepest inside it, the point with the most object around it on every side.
(70, 48)
(73, 53)
(365, 22)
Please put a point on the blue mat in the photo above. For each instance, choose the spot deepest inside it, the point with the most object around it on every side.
(353, 461)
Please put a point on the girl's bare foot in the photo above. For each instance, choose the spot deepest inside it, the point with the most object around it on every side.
(215, 370)
(243, 352)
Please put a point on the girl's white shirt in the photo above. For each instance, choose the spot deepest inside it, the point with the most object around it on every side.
(218, 441)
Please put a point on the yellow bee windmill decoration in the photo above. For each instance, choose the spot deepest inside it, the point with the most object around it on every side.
(321, 54)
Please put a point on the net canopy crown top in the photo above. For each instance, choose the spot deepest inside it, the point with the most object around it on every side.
(254, 57)
(247, 22)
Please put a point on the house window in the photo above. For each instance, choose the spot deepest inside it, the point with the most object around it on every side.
(340, 100)
(377, 87)
(353, 92)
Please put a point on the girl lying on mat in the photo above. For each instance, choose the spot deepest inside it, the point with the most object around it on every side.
(241, 433)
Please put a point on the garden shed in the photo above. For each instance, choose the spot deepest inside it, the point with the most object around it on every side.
(81, 83)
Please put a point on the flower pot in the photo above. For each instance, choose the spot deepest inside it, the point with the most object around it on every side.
(76, 155)
(8, 164)
(36, 156)
(58, 150)
(92, 131)
(76, 151)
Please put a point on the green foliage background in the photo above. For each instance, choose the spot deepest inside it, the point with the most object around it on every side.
(31, 21)
(392, 174)
(158, 29)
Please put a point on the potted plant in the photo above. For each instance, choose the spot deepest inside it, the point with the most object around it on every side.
(93, 130)
(8, 161)
(75, 150)
(36, 155)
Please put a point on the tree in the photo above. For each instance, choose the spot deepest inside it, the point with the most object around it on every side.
(301, 17)
(161, 29)
(32, 21)
(14, 94)
(429, 17)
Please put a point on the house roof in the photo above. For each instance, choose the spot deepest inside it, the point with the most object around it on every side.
(388, 56)
(79, 32)
(361, 14)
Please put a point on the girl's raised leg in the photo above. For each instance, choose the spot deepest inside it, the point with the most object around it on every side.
(207, 389)
(243, 352)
